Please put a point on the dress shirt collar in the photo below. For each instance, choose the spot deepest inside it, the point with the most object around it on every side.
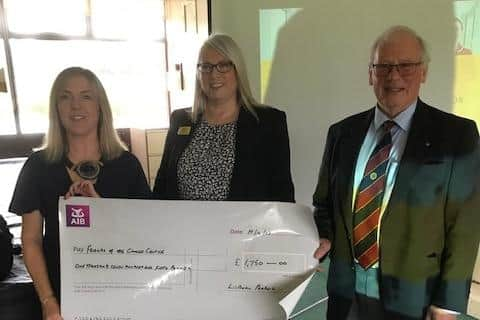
(403, 119)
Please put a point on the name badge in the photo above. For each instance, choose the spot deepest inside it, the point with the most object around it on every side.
(184, 131)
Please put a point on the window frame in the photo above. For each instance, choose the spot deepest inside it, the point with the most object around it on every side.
(21, 144)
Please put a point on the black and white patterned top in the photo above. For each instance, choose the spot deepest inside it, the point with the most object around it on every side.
(204, 170)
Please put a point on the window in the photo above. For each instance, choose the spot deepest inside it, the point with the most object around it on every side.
(122, 41)
(7, 120)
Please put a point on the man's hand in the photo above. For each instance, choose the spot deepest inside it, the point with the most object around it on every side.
(323, 248)
(435, 313)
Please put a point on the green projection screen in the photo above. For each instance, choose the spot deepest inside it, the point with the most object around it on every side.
(310, 59)
(467, 59)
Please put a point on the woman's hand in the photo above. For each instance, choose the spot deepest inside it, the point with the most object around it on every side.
(82, 188)
(51, 309)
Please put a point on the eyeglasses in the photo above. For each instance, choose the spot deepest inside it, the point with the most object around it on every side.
(403, 69)
(222, 67)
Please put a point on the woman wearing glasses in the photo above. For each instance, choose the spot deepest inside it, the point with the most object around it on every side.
(82, 155)
(228, 147)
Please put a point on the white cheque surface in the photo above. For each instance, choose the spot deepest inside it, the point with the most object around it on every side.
(150, 259)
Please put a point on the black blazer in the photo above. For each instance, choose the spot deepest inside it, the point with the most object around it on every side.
(429, 230)
(262, 157)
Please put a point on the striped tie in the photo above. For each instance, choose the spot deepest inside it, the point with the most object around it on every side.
(369, 201)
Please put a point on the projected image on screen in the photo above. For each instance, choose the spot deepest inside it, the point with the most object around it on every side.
(271, 20)
(467, 59)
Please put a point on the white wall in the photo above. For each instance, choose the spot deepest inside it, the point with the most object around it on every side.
(319, 73)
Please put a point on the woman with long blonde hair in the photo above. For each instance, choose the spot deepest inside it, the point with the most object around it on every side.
(82, 155)
(228, 146)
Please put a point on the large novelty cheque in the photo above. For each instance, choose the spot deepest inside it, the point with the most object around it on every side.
(149, 259)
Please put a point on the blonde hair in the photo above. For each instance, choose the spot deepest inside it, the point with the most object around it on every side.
(55, 142)
(386, 35)
(225, 45)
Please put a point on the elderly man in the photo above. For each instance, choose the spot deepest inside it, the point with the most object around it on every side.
(397, 199)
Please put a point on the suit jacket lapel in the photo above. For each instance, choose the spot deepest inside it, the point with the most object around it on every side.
(349, 146)
(180, 141)
(417, 150)
(244, 144)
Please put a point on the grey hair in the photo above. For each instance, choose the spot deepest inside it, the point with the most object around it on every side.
(386, 35)
(55, 142)
(225, 45)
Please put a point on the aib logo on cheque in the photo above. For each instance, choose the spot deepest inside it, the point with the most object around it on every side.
(78, 216)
